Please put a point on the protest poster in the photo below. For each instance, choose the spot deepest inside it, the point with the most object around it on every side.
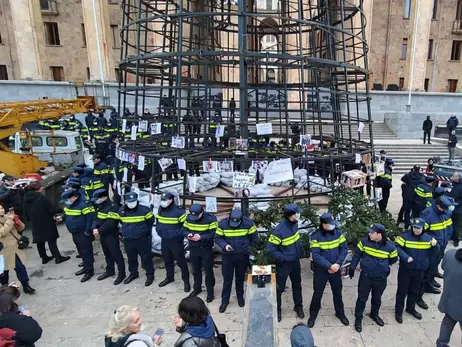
(360, 127)
(226, 166)
(211, 204)
(181, 164)
(242, 146)
(259, 164)
(164, 163)
(279, 171)
(178, 142)
(264, 129)
(133, 133)
(243, 180)
(141, 162)
(156, 128)
(143, 125)
(210, 166)
(220, 131)
(305, 140)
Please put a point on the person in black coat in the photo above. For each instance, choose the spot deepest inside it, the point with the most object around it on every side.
(39, 211)
(427, 129)
(28, 331)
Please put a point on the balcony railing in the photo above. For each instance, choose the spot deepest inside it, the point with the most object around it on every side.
(457, 27)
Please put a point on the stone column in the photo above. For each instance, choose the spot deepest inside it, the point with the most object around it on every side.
(104, 33)
(29, 35)
(423, 13)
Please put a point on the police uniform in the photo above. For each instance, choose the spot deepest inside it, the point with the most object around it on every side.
(438, 220)
(102, 140)
(78, 216)
(101, 171)
(90, 182)
(285, 247)
(410, 181)
(89, 119)
(328, 248)
(169, 223)
(422, 196)
(105, 225)
(235, 235)
(385, 182)
(137, 230)
(76, 185)
(199, 222)
(74, 123)
(376, 257)
(420, 249)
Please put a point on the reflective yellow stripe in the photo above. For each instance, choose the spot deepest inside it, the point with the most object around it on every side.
(70, 212)
(377, 253)
(418, 244)
(233, 232)
(132, 219)
(291, 240)
(448, 222)
(420, 192)
(149, 215)
(437, 226)
(183, 218)
(88, 210)
(274, 239)
(386, 176)
(200, 227)
(253, 229)
(400, 241)
(101, 172)
(393, 254)
(168, 220)
(97, 185)
(328, 244)
(111, 215)
(101, 215)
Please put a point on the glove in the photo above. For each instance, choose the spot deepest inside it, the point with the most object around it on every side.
(351, 273)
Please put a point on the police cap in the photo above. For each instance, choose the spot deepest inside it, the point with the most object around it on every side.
(418, 223)
(194, 211)
(99, 193)
(235, 218)
(292, 209)
(167, 196)
(131, 197)
(376, 228)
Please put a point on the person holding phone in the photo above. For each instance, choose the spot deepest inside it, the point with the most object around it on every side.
(200, 228)
(235, 235)
(125, 330)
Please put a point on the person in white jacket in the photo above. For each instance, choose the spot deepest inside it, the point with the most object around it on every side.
(124, 330)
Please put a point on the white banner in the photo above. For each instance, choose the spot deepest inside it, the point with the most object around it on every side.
(279, 171)
(264, 129)
(360, 127)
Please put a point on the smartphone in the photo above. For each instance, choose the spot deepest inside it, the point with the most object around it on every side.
(22, 308)
(159, 332)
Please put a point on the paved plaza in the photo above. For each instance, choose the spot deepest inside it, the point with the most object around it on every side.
(73, 314)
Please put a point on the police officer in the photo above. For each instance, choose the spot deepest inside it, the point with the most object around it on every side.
(385, 182)
(437, 218)
(78, 216)
(93, 129)
(169, 223)
(137, 221)
(376, 255)
(415, 249)
(74, 123)
(101, 170)
(75, 184)
(89, 118)
(90, 182)
(102, 140)
(105, 225)
(410, 181)
(423, 196)
(112, 127)
(328, 250)
(285, 247)
(235, 235)
(102, 121)
(199, 229)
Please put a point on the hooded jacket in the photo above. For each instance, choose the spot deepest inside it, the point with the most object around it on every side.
(132, 340)
(198, 336)
(410, 181)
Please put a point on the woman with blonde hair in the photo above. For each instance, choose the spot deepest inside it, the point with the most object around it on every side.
(124, 330)
(14, 257)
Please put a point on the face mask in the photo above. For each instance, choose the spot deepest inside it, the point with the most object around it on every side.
(330, 227)
(451, 208)
(164, 203)
(132, 205)
(68, 203)
(448, 190)
(297, 216)
(98, 201)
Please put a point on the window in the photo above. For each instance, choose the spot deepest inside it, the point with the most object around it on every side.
(44, 5)
(84, 36)
(452, 86)
(58, 141)
(88, 74)
(435, 9)
(115, 36)
(430, 50)
(3, 73)
(459, 10)
(113, 1)
(404, 49)
(57, 72)
(52, 34)
(455, 51)
(117, 75)
(407, 9)
(401, 83)
(78, 142)
(269, 4)
(36, 141)
(426, 83)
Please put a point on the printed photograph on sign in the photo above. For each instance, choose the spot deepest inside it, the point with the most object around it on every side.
(305, 140)
(226, 166)
(132, 158)
(156, 128)
(232, 143)
(143, 126)
(220, 131)
(164, 163)
(211, 204)
(259, 164)
(210, 166)
(242, 146)
(178, 142)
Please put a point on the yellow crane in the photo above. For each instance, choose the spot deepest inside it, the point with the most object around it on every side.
(13, 115)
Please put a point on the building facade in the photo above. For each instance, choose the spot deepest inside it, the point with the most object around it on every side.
(413, 44)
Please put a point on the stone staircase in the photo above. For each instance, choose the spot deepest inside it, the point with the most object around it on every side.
(406, 154)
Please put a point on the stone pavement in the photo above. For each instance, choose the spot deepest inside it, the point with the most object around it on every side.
(73, 314)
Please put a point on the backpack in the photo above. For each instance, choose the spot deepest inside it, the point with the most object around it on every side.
(7, 337)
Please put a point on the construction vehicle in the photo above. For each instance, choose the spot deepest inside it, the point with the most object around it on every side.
(48, 152)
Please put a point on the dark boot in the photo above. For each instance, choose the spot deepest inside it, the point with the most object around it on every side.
(358, 325)
(399, 318)
(27, 288)
(130, 278)
(61, 259)
(241, 302)
(105, 275)
(119, 279)
(378, 320)
(415, 314)
(187, 286)
(210, 297)
(343, 319)
(195, 292)
(78, 256)
(87, 276)
(422, 304)
(80, 264)
(80, 272)
(222, 308)
(311, 322)
(165, 282)
(149, 280)
(279, 314)
(299, 311)
(46, 260)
